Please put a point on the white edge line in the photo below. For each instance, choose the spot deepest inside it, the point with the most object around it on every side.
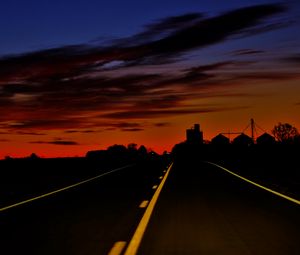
(257, 185)
(62, 189)
(139, 232)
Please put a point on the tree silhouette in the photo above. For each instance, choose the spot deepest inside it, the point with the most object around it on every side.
(142, 150)
(132, 147)
(285, 132)
(33, 156)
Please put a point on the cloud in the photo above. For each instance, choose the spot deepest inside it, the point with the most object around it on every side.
(132, 129)
(41, 124)
(56, 142)
(265, 75)
(85, 89)
(162, 124)
(161, 29)
(123, 126)
(81, 131)
(242, 52)
(295, 58)
(162, 113)
(184, 33)
(29, 133)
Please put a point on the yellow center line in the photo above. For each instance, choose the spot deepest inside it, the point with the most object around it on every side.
(117, 248)
(62, 189)
(138, 235)
(257, 185)
(144, 204)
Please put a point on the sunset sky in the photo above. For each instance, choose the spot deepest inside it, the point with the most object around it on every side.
(83, 75)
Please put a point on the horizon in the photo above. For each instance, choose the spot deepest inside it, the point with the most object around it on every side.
(75, 78)
(231, 135)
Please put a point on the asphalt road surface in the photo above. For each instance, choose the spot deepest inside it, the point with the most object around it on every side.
(201, 210)
(204, 210)
(88, 219)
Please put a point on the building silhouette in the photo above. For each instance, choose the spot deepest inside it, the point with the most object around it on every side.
(220, 140)
(265, 139)
(242, 140)
(194, 135)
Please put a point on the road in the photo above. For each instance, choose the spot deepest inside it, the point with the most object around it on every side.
(204, 210)
(87, 219)
(201, 210)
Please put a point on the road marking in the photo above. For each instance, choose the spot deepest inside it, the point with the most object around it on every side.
(154, 187)
(258, 185)
(62, 189)
(117, 248)
(161, 177)
(165, 171)
(139, 232)
(144, 204)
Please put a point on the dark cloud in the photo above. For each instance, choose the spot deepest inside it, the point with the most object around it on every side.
(132, 129)
(162, 113)
(211, 67)
(81, 131)
(64, 143)
(243, 52)
(43, 124)
(295, 58)
(56, 142)
(29, 133)
(123, 126)
(160, 29)
(188, 32)
(82, 88)
(162, 124)
(72, 131)
(213, 30)
(265, 75)
(89, 131)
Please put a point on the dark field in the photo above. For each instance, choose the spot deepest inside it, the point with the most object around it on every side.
(22, 179)
(277, 166)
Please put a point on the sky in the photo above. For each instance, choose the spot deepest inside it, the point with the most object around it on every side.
(82, 75)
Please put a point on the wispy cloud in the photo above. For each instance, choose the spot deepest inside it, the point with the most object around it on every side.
(132, 129)
(162, 124)
(56, 142)
(243, 52)
(88, 88)
(295, 58)
(29, 133)
(162, 113)
(81, 131)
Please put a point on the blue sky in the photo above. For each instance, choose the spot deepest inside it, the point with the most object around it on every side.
(37, 24)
